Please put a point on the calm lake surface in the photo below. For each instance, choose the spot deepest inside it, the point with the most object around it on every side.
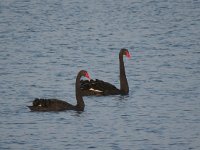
(43, 45)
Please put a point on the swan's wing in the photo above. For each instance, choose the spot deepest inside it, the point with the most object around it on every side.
(49, 105)
(99, 87)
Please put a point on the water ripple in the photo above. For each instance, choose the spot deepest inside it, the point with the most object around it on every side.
(45, 43)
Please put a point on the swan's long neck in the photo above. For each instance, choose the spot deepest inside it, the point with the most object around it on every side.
(124, 88)
(80, 103)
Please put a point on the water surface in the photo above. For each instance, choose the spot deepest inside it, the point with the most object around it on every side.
(43, 44)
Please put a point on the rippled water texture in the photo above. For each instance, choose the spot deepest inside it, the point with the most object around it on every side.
(43, 44)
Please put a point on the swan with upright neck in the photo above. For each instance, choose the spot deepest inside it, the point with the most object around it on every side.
(59, 105)
(102, 88)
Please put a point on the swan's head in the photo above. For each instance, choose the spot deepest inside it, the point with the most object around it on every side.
(126, 53)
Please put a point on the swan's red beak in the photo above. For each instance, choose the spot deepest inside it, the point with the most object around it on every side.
(87, 76)
(128, 55)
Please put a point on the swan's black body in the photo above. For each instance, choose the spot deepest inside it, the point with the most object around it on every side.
(101, 88)
(98, 87)
(59, 105)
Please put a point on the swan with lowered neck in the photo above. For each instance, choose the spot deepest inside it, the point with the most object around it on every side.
(101, 88)
(59, 105)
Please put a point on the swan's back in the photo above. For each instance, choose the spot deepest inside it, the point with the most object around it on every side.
(50, 105)
(98, 87)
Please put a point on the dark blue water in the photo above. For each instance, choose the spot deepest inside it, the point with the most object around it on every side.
(43, 44)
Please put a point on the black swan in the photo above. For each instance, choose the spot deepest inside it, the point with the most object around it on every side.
(101, 88)
(59, 105)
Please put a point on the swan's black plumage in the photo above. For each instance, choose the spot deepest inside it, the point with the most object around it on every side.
(98, 87)
(102, 88)
(59, 105)
(41, 104)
